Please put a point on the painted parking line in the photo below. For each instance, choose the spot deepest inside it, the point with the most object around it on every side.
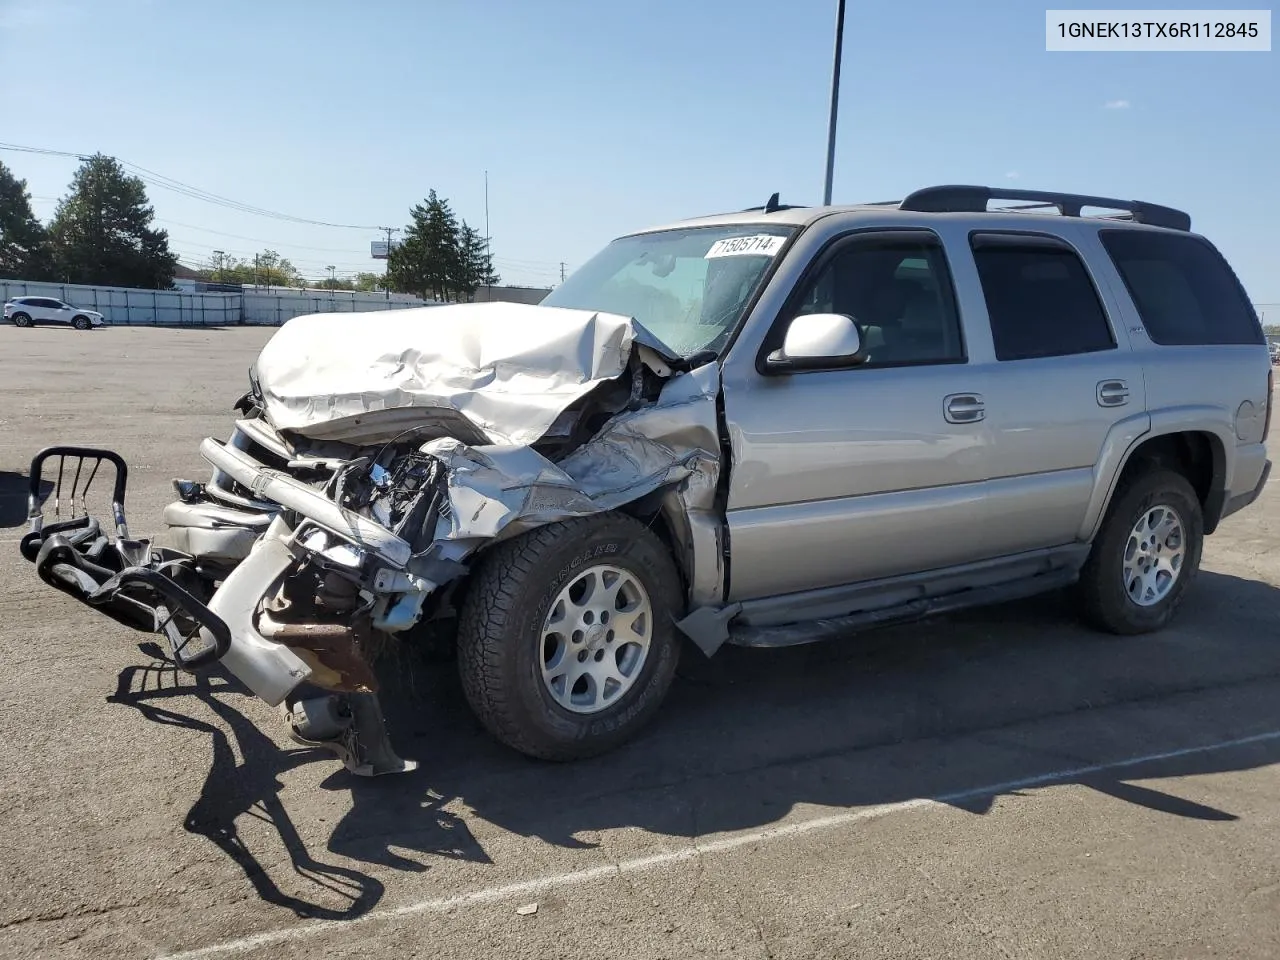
(670, 858)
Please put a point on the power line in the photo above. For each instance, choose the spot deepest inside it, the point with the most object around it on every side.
(187, 190)
(269, 243)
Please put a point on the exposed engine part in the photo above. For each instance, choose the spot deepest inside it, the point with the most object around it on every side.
(350, 726)
(336, 593)
(315, 614)
(319, 718)
(409, 497)
(333, 651)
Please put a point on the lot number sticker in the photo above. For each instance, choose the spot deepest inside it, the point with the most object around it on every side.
(762, 245)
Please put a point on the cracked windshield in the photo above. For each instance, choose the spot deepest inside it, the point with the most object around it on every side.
(687, 287)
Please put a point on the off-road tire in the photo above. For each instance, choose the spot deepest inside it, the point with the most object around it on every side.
(82, 323)
(21, 320)
(499, 635)
(1104, 603)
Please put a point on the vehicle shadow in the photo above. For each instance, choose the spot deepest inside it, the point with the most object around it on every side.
(936, 710)
(1008, 696)
(251, 787)
(14, 488)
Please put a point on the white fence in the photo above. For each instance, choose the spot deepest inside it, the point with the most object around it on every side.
(273, 306)
(129, 307)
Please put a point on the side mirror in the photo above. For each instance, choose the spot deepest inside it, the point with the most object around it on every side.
(819, 340)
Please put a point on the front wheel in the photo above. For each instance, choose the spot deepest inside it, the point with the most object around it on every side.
(82, 323)
(566, 640)
(21, 320)
(1145, 556)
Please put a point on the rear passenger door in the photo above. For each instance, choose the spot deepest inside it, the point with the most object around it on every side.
(1062, 379)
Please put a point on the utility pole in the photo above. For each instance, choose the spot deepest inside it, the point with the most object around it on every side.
(835, 100)
(386, 280)
(562, 265)
(97, 219)
(488, 253)
(333, 280)
(256, 256)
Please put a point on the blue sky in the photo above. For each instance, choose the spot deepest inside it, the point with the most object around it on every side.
(594, 117)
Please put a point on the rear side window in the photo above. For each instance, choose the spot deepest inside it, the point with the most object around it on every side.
(1183, 288)
(1040, 299)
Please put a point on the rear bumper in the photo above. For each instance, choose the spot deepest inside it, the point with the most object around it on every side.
(1245, 499)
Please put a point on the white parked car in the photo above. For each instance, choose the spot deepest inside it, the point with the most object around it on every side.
(29, 311)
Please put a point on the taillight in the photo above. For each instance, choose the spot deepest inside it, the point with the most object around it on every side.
(1271, 386)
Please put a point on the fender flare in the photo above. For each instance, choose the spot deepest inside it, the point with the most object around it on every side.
(1130, 434)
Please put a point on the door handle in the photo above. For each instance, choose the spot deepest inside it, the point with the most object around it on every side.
(963, 408)
(1113, 393)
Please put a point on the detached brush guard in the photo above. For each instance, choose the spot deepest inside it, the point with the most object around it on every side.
(129, 580)
(137, 584)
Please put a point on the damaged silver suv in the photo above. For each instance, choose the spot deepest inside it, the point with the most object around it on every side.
(761, 428)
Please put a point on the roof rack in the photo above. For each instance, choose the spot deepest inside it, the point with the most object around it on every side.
(955, 198)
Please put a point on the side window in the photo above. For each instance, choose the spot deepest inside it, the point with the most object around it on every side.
(1040, 299)
(899, 292)
(1183, 288)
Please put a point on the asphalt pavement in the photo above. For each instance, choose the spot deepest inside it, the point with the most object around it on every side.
(999, 784)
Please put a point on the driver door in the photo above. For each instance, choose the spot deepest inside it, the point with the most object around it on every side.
(43, 310)
(858, 473)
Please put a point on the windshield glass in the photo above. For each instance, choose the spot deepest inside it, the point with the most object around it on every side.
(687, 287)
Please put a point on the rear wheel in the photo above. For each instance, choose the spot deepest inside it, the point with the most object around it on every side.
(1145, 556)
(567, 642)
(81, 323)
(21, 320)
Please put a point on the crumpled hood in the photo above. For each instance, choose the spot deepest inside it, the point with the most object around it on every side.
(485, 372)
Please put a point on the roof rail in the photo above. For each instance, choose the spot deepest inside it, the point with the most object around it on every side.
(956, 198)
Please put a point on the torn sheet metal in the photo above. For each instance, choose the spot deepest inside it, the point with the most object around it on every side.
(499, 491)
(485, 373)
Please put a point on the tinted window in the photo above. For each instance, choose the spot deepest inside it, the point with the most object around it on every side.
(899, 292)
(1040, 300)
(1183, 288)
(46, 303)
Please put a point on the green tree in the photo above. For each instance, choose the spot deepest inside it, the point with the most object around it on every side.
(368, 281)
(267, 269)
(102, 232)
(476, 262)
(428, 261)
(24, 244)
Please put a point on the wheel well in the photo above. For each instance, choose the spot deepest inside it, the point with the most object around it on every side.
(1196, 455)
(648, 510)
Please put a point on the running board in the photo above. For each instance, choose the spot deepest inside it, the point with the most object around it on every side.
(831, 628)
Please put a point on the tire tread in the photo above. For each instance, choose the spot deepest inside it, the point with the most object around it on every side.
(484, 627)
